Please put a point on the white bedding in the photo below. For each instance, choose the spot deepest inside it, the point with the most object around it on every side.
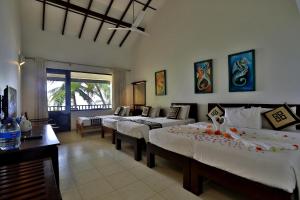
(142, 131)
(181, 144)
(111, 122)
(86, 121)
(280, 169)
(277, 169)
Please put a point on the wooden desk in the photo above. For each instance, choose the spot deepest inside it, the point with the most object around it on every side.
(47, 147)
(28, 180)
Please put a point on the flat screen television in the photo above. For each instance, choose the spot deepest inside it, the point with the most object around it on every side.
(9, 102)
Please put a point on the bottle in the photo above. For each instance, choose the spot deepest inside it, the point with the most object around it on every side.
(10, 135)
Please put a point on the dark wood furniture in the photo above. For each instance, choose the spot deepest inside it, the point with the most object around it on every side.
(176, 158)
(47, 147)
(180, 160)
(80, 128)
(113, 133)
(251, 189)
(28, 180)
(137, 143)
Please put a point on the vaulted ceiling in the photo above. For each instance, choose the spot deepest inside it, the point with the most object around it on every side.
(90, 19)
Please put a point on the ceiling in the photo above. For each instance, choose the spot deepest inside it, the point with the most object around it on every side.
(85, 26)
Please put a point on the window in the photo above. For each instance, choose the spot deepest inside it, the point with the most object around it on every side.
(90, 91)
(56, 92)
(87, 91)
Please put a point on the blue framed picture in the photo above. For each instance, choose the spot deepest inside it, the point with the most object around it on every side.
(242, 71)
(203, 77)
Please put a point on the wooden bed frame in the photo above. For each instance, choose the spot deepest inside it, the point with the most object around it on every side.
(107, 129)
(139, 143)
(180, 160)
(80, 128)
(194, 171)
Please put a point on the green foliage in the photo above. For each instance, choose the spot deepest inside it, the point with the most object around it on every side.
(85, 89)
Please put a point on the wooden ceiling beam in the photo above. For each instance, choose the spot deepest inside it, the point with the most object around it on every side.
(80, 10)
(150, 7)
(84, 19)
(102, 22)
(128, 32)
(44, 15)
(118, 24)
(65, 19)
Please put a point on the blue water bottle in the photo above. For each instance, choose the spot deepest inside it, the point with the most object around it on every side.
(10, 135)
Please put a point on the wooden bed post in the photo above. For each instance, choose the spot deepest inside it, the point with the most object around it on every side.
(102, 131)
(113, 137)
(138, 150)
(118, 143)
(150, 157)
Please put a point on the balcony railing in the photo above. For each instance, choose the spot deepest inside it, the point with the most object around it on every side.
(80, 107)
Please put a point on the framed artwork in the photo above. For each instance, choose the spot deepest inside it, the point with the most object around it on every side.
(160, 83)
(241, 68)
(203, 77)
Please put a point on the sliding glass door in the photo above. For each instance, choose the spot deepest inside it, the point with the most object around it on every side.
(58, 93)
(70, 91)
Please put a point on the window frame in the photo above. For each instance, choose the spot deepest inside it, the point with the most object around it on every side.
(68, 81)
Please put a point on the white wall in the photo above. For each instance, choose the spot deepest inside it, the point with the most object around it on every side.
(188, 31)
(51, 44)
(10, 46)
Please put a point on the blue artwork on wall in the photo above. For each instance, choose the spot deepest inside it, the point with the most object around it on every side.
(242, 71)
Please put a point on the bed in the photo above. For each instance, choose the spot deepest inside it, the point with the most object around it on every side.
(267, 175)
(257, 176)
(137, 133)
(84, 124)
(110, 124)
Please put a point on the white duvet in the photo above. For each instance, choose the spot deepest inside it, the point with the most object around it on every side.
(142, 131)
(86, 121)
(278, 168)
(111, 122)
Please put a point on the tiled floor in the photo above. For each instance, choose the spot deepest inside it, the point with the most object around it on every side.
(91, 168)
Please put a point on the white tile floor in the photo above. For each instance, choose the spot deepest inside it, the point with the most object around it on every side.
(92, 169)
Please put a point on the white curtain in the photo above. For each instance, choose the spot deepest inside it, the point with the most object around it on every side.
(34, 88)
(119, 88)
(42, 102)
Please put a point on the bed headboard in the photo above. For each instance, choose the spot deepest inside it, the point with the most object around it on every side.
(232, 105)
(193, 109)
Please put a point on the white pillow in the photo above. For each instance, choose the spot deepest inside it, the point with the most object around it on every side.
(266, 124)
(154, 112)
(125, 111)
(184, 111)
(244, 118)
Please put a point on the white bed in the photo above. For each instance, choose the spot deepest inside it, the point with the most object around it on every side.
(276, 169)
(86, 121)
(139, 131)
(111, 122)
(181, 143)
(280, 169)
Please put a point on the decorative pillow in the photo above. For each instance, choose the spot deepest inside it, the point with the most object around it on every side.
(125, 111)
(244, 118)
(173, 112)
(154, 112)
(184, 111)
(146, 111)
(281, 117)
(216, 111)
(267, 125)
(118, 111)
